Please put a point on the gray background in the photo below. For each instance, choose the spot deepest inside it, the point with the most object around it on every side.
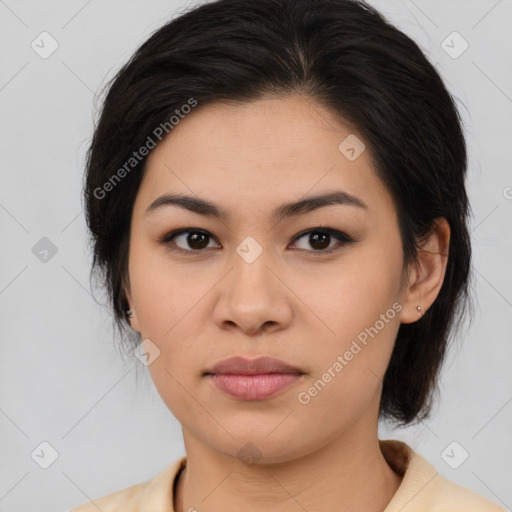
(61, 378)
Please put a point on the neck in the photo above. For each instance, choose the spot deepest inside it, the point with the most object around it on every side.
(350, 473)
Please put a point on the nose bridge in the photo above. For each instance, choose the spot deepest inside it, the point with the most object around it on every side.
(252, 296)
(251, 273)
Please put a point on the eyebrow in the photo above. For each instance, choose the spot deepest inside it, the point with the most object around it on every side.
(306, 205)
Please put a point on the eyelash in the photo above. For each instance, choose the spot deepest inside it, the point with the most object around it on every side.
(343, 239)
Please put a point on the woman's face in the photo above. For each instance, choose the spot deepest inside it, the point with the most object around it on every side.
(249, 282)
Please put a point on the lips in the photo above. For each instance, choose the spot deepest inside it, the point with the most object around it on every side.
(253, 379)
(243, 366)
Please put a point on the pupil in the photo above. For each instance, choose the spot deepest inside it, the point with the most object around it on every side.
(323, 237)
(194, 241)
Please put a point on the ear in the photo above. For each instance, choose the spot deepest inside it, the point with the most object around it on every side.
(134, 323)
(427, 276)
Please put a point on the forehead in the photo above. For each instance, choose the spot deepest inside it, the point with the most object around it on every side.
(266, 151)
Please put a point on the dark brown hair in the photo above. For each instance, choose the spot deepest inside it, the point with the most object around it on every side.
(349, 58)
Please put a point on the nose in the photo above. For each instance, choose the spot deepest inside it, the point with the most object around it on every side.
(253, 298)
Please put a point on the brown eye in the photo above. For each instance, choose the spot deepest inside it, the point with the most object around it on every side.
(187, 240)
(320, 240)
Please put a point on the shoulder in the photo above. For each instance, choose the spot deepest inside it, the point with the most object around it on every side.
(423, 488)
(451, 497)
(154, 494)
(125, 499)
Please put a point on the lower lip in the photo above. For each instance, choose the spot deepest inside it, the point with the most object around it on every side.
(254, 387)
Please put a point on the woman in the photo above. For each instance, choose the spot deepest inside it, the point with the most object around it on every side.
(276, 196)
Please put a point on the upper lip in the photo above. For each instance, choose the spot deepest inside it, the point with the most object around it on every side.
(243, 366)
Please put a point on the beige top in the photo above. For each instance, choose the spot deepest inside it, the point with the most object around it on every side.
(422, 489)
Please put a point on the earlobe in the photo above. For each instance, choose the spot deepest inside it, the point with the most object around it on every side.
(413, 309)
(427, 278)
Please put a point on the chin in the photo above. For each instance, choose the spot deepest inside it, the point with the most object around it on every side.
(260, 443)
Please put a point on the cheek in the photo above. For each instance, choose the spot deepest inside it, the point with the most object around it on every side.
(162, 293)
(352, 296)
(359, 302)
(173, 383)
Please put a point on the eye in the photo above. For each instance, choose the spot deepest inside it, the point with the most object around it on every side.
(195, 239)
(320, 239)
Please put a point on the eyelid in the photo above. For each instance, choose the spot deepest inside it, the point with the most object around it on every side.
(343, 239)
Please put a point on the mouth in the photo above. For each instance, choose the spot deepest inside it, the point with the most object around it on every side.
(253, 379)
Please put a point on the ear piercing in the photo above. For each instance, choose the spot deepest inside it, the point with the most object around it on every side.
(419, 310)
(129, 313)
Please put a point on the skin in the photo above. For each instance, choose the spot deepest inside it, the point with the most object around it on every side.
(292, 302)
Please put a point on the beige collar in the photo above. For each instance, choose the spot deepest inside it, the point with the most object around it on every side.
(417, 474)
